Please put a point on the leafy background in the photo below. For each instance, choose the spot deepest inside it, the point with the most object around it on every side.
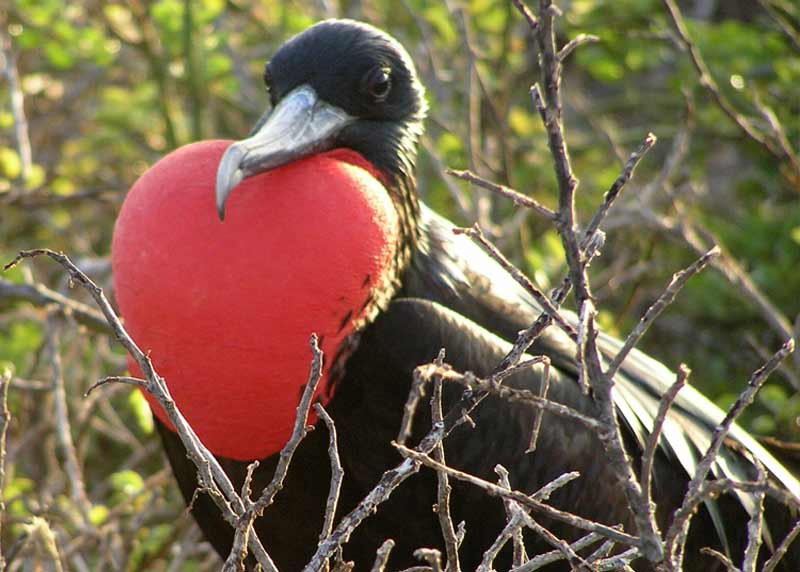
(110, 87)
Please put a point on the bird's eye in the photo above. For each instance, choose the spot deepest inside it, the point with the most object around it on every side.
(379, 82)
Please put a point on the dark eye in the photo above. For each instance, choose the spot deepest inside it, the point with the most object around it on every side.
(379, 82)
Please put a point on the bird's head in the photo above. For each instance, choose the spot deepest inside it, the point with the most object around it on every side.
(338, 84)
(319, 228)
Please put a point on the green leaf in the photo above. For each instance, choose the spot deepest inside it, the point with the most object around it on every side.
(126, 482)
(98, 514)
(141, 412)
(10, 165)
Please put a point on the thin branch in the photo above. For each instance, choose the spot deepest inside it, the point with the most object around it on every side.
(388, 482)
(676, 535)
(755, 524)
(5, 417)
(783, 547)
(512, 508)
(507, 192)
(722, 558)
(477, 235)
(337, 473)
(575, 560)
(41, 295)
(443, 489)
(62, 422)
(492, 386)
(791, 33)
(124, 379)
(529, 501)
(675, 285)
(574, 43)
(382, 556)
(533, 22)
(430, 555)
(546, 558)
(649, 453)
(619, 183)
(549, 106)
(538, 414)
(21, 135)
(253, 510)
(513, 527)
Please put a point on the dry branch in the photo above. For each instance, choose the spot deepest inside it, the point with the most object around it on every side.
(5, 417)
(529, 501)
(41, 295)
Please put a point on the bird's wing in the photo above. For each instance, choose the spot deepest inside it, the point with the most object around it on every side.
(502, 430)
(451, 270)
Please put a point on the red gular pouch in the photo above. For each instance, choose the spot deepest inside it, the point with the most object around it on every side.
(226, 309)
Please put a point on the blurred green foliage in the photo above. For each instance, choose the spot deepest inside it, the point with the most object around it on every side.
(110, 87)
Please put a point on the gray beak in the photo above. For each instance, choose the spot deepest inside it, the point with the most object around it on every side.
(300, 125)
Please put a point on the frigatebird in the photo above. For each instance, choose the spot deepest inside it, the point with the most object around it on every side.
(344, 92)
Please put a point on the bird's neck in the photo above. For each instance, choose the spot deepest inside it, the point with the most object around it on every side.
(391, 148)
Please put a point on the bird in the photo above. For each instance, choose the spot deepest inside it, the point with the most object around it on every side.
(228, 254)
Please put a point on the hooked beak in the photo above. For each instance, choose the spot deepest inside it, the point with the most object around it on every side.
(300, 125)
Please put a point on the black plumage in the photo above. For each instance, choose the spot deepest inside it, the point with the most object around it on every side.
(447, 293)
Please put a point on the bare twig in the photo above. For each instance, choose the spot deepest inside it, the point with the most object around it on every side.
(443, 489)
(430, 555)
(388, 482)
(512, 528)
(755, 525)
(62, 422)
(649, 453)
(253, 510)
(382, 556)
(586, 311)
(21, 136)
(39, 533)
(41, 295)
(517, 197)
(574, 43)
(726, 562)
(789, 31)
(555, 555)
(783, 547)
(676, 535)
(477, 235)
(493, 386)
(619, 183)
(5, 417)
(520, 554)
(538, 414)
(337, 473)
(576, 562)
(675, 285)
(684, 230)
(547, 101)
(529, 501)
